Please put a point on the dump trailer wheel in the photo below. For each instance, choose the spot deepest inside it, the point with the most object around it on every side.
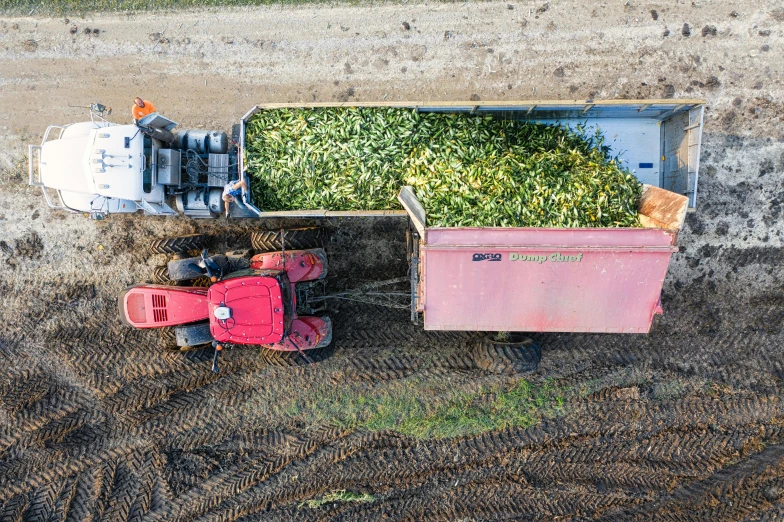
(295, 239)
(517, 354)
(290, 359)
(178, 245)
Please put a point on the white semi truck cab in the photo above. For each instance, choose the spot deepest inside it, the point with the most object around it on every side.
(100, 168)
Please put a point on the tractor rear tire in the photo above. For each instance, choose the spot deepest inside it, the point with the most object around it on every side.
(295, 239)
(160, 276)
(178, 245)
(290, 359)
(518, 354)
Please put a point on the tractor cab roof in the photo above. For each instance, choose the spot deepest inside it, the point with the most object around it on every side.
(247, 310)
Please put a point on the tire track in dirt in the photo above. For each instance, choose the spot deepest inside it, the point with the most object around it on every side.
(541, 458)
(100, 423)
(380, 463)
(742, 487)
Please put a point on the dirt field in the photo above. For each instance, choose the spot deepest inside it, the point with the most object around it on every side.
(97, 422)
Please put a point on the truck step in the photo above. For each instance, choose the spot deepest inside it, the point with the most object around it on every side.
(157, 209)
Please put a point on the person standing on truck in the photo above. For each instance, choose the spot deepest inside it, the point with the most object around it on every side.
(141, 108)
(232, 190)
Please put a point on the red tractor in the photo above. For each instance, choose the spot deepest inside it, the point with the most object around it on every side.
(249, 300)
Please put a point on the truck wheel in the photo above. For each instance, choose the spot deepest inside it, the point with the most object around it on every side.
(516, 354)
(295, 239)
(178, 245)
(288, 359)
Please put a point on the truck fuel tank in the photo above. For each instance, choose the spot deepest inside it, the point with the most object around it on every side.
(203, 142)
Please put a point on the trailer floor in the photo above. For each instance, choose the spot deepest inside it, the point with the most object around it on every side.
(97, 422)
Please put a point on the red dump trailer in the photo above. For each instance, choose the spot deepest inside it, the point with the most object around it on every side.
(543, 279)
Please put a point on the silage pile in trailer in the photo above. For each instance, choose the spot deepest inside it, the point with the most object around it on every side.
(466, 170)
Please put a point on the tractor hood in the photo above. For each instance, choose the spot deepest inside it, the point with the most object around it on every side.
(155, 306)
(108, 161)
(247, 310)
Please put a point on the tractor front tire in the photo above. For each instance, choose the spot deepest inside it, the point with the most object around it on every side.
(178, 245)
(162, 276)
(294, 239)
(517, 354)
(193, 335)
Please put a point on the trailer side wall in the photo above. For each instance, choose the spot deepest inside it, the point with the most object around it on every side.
(543, 280)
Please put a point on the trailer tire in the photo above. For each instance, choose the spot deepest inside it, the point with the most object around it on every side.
(519, 354)
(295, 239)
(178, 245)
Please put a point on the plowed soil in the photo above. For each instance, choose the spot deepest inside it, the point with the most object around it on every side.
(99, 422)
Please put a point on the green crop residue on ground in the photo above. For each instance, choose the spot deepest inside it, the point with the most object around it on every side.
(84, 6)
(408, 411)
(338, 496)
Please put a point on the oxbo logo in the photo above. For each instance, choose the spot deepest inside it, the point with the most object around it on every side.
(486, 257)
